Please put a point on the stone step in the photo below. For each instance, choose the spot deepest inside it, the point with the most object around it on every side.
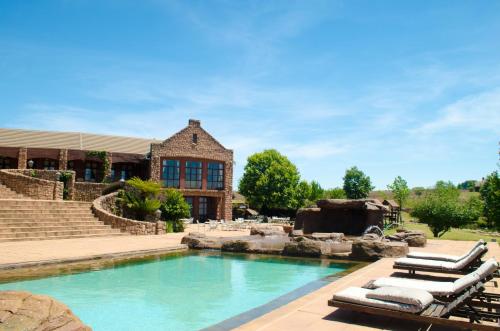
(45, 211)
(37, 207)
(24, 223)
(65, 227)
(59, 233)
(9, 239)
(45, 203)
(45, 215)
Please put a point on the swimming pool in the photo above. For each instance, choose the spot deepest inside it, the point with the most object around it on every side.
(184, 292)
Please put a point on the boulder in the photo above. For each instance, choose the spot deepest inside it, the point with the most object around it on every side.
(196, 240)
(296, 233)
(302, 246)
(414, 238)
(334, 236)
(236, 245)
(26, 311)
(372, 250)
(371, 236)
(268, 230)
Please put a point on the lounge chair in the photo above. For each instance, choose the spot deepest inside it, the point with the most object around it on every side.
(444, 257)
(441, 289)
(417, 305)
(463, 266)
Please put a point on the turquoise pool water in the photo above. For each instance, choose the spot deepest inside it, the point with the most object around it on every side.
(187, 292)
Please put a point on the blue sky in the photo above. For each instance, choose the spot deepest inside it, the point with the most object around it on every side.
(408, 88)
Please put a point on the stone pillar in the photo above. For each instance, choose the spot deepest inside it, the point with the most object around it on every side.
(63, 159)
(109, 157)
(155, 168)
(22, 158)
(227, 201)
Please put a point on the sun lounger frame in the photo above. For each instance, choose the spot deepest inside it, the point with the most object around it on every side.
(437, 313)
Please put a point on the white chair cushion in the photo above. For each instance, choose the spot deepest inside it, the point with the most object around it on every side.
(409, 296)
(473, 255)
(466, 281)
(434, 288)
(444, 257)
(431, 256)
(408, 262)
(487, 268)
(358, 295)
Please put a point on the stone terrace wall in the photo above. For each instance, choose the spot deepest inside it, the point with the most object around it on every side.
(33, 187)
(84, 191)
(103, 209)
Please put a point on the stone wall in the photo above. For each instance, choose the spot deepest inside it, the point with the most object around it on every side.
(32, 187)
(206, 148)
(84, 191)
(103, 209)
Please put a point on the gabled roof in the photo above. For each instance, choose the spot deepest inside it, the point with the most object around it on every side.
(196, 125)
(74, 140)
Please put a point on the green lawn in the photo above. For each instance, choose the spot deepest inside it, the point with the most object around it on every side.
(453, 234)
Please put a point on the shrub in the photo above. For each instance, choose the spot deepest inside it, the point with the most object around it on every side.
(334, 193)
(490, 193)
(141, 197)
(173, 209)
(441, 209)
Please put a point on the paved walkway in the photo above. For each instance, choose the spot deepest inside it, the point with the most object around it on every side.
(70, 249)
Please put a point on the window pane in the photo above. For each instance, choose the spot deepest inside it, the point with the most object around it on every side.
(170, 173)
(215, 176)
(193, 174)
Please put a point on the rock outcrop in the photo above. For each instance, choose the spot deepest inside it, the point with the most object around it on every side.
(197, 240)
(414, 238)
(376, 249)
(26, 311)
(351, 217)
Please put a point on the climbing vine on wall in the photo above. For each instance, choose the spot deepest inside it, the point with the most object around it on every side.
(103, 156)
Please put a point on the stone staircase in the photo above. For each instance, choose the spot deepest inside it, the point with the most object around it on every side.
(7, 193)
(26, 219)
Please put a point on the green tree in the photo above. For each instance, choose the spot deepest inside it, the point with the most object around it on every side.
(316, 191)
(441, 209)
(400, 191)
(357, 185)
(174, 208)
(270, 180)
(334, 193)
(303, 193)
(490, 193)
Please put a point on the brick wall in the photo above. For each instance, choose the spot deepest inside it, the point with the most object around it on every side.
(181, 145)
(33, 187)
(84, 191)
(103, 209)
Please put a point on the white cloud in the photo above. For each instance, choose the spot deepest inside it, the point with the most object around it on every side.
(477, 112)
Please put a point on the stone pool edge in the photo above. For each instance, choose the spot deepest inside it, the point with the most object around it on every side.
(46, 267)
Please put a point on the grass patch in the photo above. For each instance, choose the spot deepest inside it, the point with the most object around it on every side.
(453, 234)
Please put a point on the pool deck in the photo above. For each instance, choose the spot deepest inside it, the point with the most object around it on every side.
(309, 312)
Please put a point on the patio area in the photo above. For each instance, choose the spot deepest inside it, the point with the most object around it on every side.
(309, 312)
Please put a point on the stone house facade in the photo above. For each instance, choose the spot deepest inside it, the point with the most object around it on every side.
(200, 167)
(191, 161)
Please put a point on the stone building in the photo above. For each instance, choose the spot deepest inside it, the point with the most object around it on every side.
(191, 160)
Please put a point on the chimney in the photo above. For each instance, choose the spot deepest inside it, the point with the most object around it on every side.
(194, 123)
